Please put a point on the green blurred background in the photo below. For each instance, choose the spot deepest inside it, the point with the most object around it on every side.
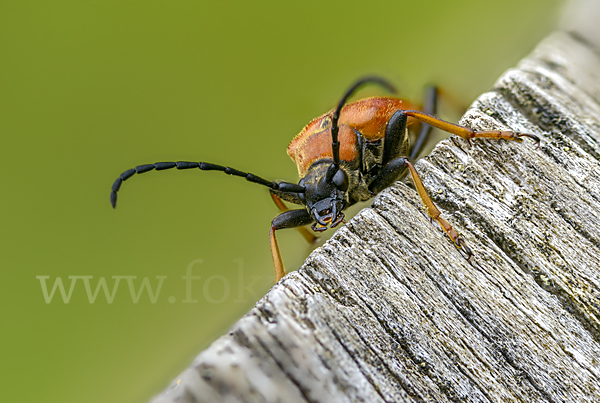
(90, 89)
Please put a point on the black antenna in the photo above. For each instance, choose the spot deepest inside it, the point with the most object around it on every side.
(205, 166)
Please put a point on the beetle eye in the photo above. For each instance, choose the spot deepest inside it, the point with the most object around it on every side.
(340, 179)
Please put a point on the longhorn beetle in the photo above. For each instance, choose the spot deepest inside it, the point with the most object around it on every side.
(347, 155)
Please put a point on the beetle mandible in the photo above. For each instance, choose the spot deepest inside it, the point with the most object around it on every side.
(344, 156)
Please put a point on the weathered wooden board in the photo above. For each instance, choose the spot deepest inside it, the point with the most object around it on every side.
(389, 310)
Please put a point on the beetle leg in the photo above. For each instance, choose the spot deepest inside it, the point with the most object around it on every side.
(287, 219)
(388, 175)
(309, 236)
(430, 108)
(396, 138)
(383, 180)
(393, 168)
(433, 211)
(467, 132)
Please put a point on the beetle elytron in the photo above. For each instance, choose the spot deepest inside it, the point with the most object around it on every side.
(347, 155)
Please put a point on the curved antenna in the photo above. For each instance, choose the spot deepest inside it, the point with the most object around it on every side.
(335, 145)
(205, 166)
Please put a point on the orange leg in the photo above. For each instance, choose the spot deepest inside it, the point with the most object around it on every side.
(433, 211)
(389, 172)
(277, 261)
(467, 132)
(287, 219)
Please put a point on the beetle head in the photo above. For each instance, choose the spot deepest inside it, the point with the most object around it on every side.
(325, 195)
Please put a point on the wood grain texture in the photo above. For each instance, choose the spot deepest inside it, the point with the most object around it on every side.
(389, 310)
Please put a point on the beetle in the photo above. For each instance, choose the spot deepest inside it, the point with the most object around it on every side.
(344, 156)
